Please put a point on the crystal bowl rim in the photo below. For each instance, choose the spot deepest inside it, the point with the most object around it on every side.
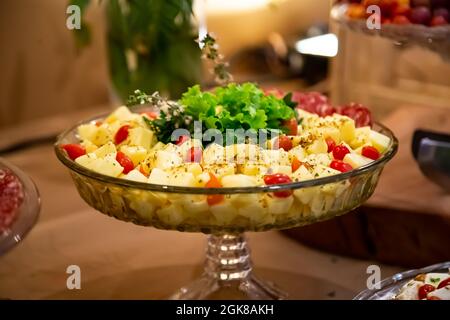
(145, 186)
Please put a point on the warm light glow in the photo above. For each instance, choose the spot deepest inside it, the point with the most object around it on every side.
(229, 6)
(325, 45)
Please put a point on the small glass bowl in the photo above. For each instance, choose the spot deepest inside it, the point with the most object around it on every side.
(390, 287)
(27, 214)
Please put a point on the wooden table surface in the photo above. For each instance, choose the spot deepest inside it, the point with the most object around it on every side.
(122, 261)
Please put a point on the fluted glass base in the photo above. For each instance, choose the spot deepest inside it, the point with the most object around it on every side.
(228, 274)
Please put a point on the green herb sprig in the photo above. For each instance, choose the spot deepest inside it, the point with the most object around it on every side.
(210, 50)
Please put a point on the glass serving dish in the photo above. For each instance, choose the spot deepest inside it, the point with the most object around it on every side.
(228, 267)
(389, 287)
(436, 38)
(27, 213)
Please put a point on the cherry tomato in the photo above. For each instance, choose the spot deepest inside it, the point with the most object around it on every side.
(370, 152)
(151, 114)
(213, 182)
(74, 150)
(121, 134)
(292, 126)
(295, 164)
(340, 166)
(424, 290)
(330, 143)
(194, 154)
(181, 140)
(98, 123)
(278, 178)
(282, 142)
(444, 283)
(125, 162)
(340, 151)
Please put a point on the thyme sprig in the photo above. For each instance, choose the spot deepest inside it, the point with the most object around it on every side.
(210, 50)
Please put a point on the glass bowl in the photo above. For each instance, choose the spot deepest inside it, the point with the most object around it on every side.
(389, 287)
(27, 213)
(436, 38)
(244, 209)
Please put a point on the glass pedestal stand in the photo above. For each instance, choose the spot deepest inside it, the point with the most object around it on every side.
(228, 274)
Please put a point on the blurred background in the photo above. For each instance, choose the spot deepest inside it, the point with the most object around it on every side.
(52, 77)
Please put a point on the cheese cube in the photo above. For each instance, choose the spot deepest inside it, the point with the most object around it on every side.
(356, 160)
(141, 137)
(379, 141)
(165, 160)
(158, 176)
(136, 154)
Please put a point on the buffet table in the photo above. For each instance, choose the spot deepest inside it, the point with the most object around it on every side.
(123, 261)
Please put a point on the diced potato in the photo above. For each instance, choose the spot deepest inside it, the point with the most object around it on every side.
(143, 207)
(329, 132)
(318, 159)
(252, 169)
(102, 135)
(89, 146)
(298, 152)
(302, 174)
(255, 210)
(193, 168)
(158, 146)
(165, 160)
(220, 170)
(281, 169)
(214, 154)
(238, 180)
(279, 205)
(87, 131)
(324, 171)
(271, 157)
(105, 150)
(136, 154)
(246, 152)
(379, 141)
(194, 207)
(202, 179)
(305, 195)
(86, 160)
(356, 160)
(172, 215)
(141, 137)
(318, 146)
(187, 145)
(135, 175)
(107, 166)
(120, 114)
(185, 179)
(348, 130)
(158, 176)
(224, 212)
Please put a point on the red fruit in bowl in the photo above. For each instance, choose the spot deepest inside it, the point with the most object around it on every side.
(442, 12)
(401, 10)
(418, 3)
(438, 21)
(401, 20)
(420, 15)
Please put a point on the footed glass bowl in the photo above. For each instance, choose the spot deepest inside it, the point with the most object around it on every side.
(228, 269)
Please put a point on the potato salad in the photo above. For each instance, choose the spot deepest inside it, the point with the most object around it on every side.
(304, 146)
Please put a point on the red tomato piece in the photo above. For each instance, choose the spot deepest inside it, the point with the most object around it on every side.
(340, 166)
(278, 178)
(330, 143)
(74, 150)
(150, 114)
(283, 142)
(424, 290)
(370, 152)
(213, 182)
(181, 140)
(292, 126)
(444, 283)
(125, 162)
(340, 151)
(194, 154)
(295, 164)
(121, 134)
